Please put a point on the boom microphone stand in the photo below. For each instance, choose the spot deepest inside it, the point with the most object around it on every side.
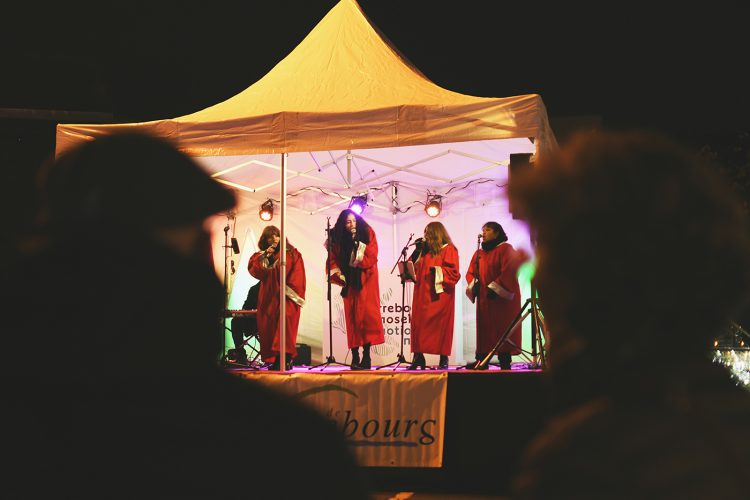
(404, 275)
(330, 360)
(519, 319)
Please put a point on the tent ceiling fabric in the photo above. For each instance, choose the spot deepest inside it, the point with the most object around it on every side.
(342, 88)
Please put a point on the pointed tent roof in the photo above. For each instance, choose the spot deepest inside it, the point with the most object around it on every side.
(342, 88)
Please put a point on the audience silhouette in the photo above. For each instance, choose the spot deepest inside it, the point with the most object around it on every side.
(120, 393)
(642, 258)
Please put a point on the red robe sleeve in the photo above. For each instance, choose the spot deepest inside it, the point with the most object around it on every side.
(332, 263)
(256, 268)
(450, 273)
(510, 261)
(370, 257)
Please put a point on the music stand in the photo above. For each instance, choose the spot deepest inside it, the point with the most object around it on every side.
(330, 360)
(406, 273)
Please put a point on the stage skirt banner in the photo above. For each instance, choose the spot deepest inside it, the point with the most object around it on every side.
(389, 419)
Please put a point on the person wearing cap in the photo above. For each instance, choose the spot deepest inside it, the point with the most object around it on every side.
(115, 387)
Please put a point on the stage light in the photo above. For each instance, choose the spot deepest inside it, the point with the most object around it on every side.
(358, 204)
(266, 210)
(434, 205)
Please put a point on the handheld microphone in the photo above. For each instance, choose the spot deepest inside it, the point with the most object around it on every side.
(479, 235)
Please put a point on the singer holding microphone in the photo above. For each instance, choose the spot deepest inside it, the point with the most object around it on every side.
(493, 285)
(264, 265)
(354, 250)
(436, 266)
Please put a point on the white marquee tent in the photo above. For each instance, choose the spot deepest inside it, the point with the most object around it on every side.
(345, 114)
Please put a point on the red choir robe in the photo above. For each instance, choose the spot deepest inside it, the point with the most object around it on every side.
(361, 307)
(499, 296)
(268, 300)
(433, 304)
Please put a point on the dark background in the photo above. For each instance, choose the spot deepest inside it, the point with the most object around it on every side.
(631, 65)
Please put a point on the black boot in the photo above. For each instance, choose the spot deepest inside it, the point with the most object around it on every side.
(275, 365)
(355, 359)
(443, 365)
(366, 361)
(505, 359)
(417, 361)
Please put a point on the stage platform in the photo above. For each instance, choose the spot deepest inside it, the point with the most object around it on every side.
(490, 417)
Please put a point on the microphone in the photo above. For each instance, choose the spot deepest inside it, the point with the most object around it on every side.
(418, 241)
(479, 236)
(235, 246)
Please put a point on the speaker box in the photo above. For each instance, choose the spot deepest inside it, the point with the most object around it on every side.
(304, 355)
(519, 163)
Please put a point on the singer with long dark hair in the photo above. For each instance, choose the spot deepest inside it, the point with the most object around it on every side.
(264, 265)
(354, 250)
(498, 294)
(433, 306)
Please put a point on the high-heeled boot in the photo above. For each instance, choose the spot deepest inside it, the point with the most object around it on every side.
(366, 361)
(443, 365)
(355, 359)
(417, 361)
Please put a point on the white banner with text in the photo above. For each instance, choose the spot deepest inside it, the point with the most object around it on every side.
(389, 419)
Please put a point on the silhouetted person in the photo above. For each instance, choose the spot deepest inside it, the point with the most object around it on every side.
(243, 327)
(642, 256)
(123, 396)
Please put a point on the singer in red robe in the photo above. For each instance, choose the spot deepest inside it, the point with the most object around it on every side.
(264, 265)
(354, 267)
(498, 295)
(433, 305)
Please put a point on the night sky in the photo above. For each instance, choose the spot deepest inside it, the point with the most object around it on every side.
(631, 65)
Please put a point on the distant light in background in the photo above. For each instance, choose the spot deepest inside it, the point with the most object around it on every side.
(434, 205)
(358, 204)
(266, 210)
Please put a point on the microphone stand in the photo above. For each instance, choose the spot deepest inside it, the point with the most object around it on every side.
(476, 290)
(223, 318)
(403, 274)
(330, 360)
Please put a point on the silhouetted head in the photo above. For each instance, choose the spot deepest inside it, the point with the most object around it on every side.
(134, 183)
(640, 247)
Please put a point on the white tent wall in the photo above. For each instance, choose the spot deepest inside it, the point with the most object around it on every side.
(466, 207)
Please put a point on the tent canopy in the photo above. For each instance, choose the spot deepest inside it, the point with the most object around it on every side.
(342, 88)
(355, 117)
